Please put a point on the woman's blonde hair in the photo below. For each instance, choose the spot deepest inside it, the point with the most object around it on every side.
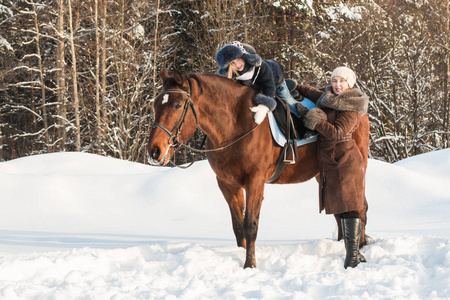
(232, 71)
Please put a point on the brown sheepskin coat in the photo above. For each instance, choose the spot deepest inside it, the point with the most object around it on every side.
(342, 157)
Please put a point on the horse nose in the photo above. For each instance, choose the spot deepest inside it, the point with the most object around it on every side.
(153, 156)
(155, 153)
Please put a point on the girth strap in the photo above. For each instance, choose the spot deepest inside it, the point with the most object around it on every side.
(290, 148)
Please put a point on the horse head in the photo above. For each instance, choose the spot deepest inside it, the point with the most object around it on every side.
(175, 118)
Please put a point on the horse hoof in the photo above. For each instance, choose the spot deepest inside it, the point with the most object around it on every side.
(249, 265)
(242, 244)
(369, 240)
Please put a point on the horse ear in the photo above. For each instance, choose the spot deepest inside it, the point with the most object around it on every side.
(178, 77)
(163, 74)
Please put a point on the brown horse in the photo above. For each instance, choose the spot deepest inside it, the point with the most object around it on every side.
(241, 160)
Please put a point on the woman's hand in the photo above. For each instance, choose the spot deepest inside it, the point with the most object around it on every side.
(313, 117)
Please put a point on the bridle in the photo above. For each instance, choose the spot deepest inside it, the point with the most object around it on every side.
(175, 132)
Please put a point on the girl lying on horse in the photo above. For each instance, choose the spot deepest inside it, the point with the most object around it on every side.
(240, 62)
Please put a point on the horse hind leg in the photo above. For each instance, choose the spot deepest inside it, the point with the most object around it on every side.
(363, 216)
(340, 232)
(236, 202)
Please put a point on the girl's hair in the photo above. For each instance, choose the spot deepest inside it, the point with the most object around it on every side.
(232, 71)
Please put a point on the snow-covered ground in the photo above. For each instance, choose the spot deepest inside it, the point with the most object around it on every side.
(81, 226)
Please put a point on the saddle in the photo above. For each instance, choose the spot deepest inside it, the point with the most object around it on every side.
(292, 128)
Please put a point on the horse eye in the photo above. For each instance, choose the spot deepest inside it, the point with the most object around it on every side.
(178, 105)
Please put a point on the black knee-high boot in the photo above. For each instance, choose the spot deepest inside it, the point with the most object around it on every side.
(352, 233)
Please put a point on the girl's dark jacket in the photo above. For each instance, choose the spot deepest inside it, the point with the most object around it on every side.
(267, 77)
(342, 162)
(267, 74)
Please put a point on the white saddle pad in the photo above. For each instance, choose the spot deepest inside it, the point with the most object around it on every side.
(278, 135)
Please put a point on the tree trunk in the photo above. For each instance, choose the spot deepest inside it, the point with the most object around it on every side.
(446, 81)
(245, 22)
(1, 145)
(97, 82)
(103, 65)
(41, 79)
(155, 50)
(75, 81)
(61, 81)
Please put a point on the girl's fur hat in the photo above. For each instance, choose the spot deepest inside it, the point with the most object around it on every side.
(236, 50)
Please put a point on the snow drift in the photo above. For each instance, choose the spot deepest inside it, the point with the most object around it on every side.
(77, 225)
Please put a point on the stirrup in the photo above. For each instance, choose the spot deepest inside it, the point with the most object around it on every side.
(287, 160)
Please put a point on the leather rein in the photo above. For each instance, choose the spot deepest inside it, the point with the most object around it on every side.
(174, 133)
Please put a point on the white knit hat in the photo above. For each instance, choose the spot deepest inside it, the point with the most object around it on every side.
(345, 73)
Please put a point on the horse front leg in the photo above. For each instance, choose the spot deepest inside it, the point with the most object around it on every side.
(254, 197)
(235, 198)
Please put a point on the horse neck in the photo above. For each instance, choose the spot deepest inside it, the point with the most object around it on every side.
(223, 108)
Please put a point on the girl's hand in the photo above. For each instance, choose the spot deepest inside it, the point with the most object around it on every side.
(260, 113)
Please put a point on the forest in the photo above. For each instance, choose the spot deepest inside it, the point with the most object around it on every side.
(81, 75)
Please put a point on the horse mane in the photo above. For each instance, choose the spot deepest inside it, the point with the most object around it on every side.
(194, 76)
(223, 81)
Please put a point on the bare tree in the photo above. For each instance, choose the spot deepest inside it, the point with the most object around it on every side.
(97, 79)
(446, 117)
(217, 23)
(1, 145)
(155, 49)
(75, 80)
(61, 80)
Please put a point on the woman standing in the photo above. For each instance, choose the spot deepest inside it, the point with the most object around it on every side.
(342, 168)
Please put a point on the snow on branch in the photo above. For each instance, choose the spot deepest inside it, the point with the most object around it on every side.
(342, 11)
(5, 44)
(27, 109)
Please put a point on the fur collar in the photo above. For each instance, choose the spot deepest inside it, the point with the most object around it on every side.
(350, 100)
(247, 72)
